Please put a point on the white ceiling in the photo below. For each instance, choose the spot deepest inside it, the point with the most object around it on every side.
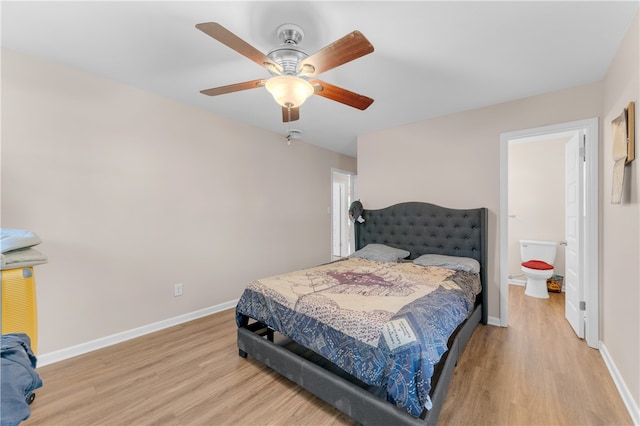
(430, 58)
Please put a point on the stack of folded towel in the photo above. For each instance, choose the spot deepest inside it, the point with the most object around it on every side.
(17, 249)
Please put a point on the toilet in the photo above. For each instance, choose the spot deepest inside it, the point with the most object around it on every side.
(537, 265)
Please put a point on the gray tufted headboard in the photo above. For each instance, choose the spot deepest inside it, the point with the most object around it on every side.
(423, 228)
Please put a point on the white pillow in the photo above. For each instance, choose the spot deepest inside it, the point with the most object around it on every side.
(380, 253)
(456, 263)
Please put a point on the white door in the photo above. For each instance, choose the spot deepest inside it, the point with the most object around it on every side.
(342, 193)
(337, 224)
(574, 157)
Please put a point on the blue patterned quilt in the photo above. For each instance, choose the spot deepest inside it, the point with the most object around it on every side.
(386, 324)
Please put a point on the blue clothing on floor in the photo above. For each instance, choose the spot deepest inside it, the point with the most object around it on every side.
(19, 378)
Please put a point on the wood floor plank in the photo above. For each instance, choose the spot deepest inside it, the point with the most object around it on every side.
(535, 372)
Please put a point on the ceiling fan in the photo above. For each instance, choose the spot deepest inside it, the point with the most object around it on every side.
(293, 70)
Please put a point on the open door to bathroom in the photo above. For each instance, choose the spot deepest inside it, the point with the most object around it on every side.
(589, 214)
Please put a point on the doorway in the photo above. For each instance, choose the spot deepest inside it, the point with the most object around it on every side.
(536, 169)
(342, 195)
(589, 262)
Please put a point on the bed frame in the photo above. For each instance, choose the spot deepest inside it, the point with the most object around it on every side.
(420, 228)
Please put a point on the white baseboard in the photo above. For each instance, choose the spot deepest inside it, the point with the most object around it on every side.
(514, 281)
(494, 321)
(627, 398)
(82, 348)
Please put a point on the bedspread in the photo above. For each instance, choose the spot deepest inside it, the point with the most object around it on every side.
(386, 324)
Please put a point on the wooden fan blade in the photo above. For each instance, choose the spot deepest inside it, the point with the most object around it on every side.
(341, 95)
(290, 114)
(350, 47)
(253, 84)
(231, 40)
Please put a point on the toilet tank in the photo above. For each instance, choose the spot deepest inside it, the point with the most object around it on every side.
(538, 250)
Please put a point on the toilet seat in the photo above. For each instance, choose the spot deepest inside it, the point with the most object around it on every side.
(537, 264)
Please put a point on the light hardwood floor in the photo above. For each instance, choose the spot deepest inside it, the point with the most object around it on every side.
(536, 371)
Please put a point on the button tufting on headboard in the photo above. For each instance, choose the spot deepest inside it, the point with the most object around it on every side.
(424, 228)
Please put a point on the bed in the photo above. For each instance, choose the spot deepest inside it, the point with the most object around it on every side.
(390, 378)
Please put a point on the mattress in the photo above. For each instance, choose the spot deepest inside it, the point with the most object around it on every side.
(385, 323)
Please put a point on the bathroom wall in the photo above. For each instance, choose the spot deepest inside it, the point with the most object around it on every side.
(536, 197)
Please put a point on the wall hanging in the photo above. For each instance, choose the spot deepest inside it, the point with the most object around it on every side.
(623, 128)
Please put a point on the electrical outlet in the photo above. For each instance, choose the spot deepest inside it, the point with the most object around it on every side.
(177, 290)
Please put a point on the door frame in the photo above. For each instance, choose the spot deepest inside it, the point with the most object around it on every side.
(351, 196)
(589, 268)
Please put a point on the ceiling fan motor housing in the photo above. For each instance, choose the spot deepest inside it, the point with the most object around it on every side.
(290, 33)
(288, 55)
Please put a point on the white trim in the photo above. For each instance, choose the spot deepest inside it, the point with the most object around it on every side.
(591, 288)
(494, 321)
(504, 213)
(351, 196)
(625, 394)
(592, 224)
(82, 348)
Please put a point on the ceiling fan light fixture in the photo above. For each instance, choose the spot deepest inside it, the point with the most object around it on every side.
(288, 90)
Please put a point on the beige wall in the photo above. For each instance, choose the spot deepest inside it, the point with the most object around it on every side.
(132, 193)
(620, 232)
(536, 198)
(455, 161)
